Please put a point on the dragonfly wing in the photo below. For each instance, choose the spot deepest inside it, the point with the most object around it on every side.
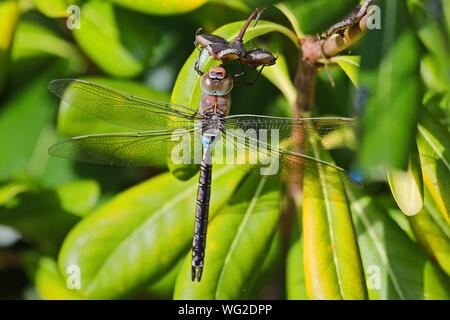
(147, 149)
(273, 162)
(331, 133)
(121, 108)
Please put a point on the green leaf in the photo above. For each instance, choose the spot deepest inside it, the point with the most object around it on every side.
(433, 141)
(139, 235)
(278, 74)
(269, 270)
(434, 73)
(407, 186)
(53, 8)
(239, 238)
(44, 274)
(395, 267)
(19, 114)
(317, 16)
(78, 197)
(187, 89)
(433, 233)
(429, 22)
(33, 40)
(163, 288)
(446, 11)
(120, 42)
(389, 56)
(10, 190)
(332, 264)
(45, 216)
(290, 15)
(350, 65)
(161, 7)
(295, 275)
(9, 14)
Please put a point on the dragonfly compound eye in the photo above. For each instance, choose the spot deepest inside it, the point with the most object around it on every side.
(215, 82)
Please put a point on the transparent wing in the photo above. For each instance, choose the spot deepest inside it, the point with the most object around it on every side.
(123, 149)
(122, 108)
(274, 162)
(330, 132)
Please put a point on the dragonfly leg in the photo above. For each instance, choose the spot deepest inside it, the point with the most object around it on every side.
(197, 63)
(249, 84)
(237, 75)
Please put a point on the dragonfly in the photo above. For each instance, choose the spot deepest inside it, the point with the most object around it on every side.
(161, 124)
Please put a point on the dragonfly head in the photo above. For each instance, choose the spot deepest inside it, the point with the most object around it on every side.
(216, 82)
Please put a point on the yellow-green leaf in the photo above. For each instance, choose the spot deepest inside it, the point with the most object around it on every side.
(161, 7)
(350, 65)
(433, 141)
(407, 186)
(332, 263)
(48, 282)
(433, 233)
(9, 14)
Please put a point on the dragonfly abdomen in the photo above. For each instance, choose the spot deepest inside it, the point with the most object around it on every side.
(201, 219)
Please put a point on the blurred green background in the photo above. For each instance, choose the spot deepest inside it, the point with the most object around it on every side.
(129, 230)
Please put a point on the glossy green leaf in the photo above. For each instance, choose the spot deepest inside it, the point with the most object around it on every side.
(433, 233)
(10, 190)
(429, 21)
(332, 263)
(389, 56)
(395, 267)
(48, 282)
(350, 65)
(78, 197)
(407, 186)
(75, 122)
(187, 89)
(33, 41)
(140, 234)
(161, 7)
(446, 7)
(9, 14)
(290, 15)
(120, 42)
(53, 8)
(434, 73)
(433, 141)
(278, 74)
(25, 123)
(262, 286)
(295, 274)
(163, 288)
(45, 216)
(388, 203)
(239, 237)
(317, 16)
